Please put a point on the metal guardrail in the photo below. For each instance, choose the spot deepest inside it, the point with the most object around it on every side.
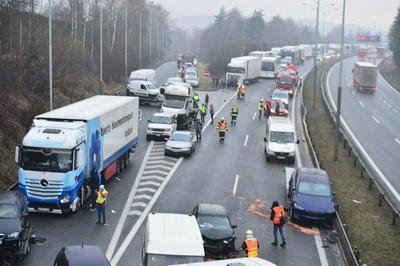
(351, 256)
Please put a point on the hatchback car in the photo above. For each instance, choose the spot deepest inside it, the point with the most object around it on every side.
(216, 229)
(181, 143)
(310, 196)
(14, 221)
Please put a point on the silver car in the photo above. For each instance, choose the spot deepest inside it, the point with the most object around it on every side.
(181, 143)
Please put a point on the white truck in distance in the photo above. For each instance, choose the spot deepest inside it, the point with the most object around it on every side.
(179, 103)
(59, 151)
(244, 69)
(365, 76)
(172, 239)
(270, 66)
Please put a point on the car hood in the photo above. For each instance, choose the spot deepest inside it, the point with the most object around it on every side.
(172, 111)
(177, 144)
(281, 147)
(8, 226)
(217, 234)
(314, 203)
(160, 125)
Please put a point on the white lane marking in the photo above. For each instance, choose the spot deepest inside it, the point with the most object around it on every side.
(361, 103)
(376, 120)
(320, 249)
(149, 183)
(254, 116)
(245, 140)
(269, 89)
(394, 110)
(147, 189)
(353, 93)
(118, 229)
(135, 212)
(139, 204)
(143, 196)
(161, 162)
(235, 185)
(390, 106)
(384, 101)
(160, 172)
(148, 167)
(398, 141)
(150, 177)
(141, 219)
(349, 85)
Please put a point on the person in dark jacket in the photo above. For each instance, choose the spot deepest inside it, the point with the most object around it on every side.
(95, 182)
(199, 128)
(277, 218)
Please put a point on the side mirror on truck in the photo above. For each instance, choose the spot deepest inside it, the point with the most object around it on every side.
(17, 154)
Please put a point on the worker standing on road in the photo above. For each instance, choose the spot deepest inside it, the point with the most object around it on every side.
(277, 108)
(234, 114)
(260, 108)
(102, 195)
(207, 99)
(243, 92)
(95, 181)
(267, 109)
(212, 113)
(250, 245)
(238, 92)
(222, 127)
(278, 218)
(196, 100)
(199, 127)
(203, 112)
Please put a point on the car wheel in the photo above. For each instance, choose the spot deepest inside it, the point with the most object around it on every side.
(148, 138)
(268, 159)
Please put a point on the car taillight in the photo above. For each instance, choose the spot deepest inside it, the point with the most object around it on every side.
(76, 178)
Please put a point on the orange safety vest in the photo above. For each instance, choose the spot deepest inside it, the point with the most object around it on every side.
(243, 89)
(238, 89)
(221, 126)
(279, 212)
(252, 247)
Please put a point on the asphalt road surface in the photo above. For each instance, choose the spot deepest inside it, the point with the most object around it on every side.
(373, 118)
(162, 184)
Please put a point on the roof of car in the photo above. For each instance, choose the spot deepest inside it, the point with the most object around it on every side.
(163, 114)
(8, 197)
(212, 209)
(281, 91)
(315, 173)
(86, 255)
(182, 132)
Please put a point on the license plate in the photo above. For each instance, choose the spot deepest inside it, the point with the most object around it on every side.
(43, 209)
(158, 135)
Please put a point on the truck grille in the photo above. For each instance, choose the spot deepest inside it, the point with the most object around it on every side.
(158, 129)
(43, 188)
(281, 154)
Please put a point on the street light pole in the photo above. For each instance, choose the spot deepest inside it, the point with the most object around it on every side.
(50, 59)
(339, 93)
(315, 57)
(140, 38)
(126, 40)
(101, 47)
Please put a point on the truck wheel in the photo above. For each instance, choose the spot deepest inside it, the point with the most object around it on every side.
(125, 160)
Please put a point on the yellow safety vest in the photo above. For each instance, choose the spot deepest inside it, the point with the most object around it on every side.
(100, 199)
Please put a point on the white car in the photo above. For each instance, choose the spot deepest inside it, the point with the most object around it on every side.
(281, 95)
(181, 143)
(192, 80)
(161, 125)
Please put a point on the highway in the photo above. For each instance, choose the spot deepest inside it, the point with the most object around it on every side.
(234, 174)
(373, 118)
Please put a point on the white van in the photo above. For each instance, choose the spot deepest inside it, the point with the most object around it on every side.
(143, 75)
(172, 239)
(145, 90)
(280, 142)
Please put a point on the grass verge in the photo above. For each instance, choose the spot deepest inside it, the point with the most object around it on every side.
(391, 72)
(204, 82)
(370, 227)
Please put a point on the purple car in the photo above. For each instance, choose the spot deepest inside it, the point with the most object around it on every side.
(310, 196)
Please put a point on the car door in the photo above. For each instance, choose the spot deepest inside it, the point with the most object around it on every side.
(143, 91)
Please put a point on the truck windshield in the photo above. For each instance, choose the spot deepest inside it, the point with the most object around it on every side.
(8, 211)
(161, 119)
(47, 160)
(281, 137)
(237, 70)
(285, 80)
(268, 66)
(161, 260)
(174, 104)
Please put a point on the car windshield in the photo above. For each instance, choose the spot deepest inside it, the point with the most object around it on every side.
(161, 119)
(8, 211)
(191, 73)
(161, 260)
(174, 104)
(191, 78)
(319, 189)
(237, 70)
(281, 137)
(280, 95)
(267, 66)
(208, 222)
(46, 160)
(180, 137)
(284, 80)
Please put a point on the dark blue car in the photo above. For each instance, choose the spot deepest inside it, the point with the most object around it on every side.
(310, 196)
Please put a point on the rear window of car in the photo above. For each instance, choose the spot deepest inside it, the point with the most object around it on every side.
(180, 137)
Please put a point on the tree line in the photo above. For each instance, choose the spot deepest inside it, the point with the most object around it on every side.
(394, 38)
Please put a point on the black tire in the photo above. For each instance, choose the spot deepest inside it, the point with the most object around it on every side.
(268, 159)
(125, 160)
(148, 138)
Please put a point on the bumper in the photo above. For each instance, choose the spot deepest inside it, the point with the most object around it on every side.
(158, 134)
(217, 248)
(177, 152)
(9, 245)
(281, 156)
(304, 215)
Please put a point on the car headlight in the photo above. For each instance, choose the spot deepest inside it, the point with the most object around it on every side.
(331, 210)
(13, 235)
(297, 206)
(65, 199)
(226, 242)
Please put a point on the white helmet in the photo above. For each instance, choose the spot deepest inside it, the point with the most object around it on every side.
(222, 118)
(249, 233)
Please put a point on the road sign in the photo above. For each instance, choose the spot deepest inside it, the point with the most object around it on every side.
(206, 73)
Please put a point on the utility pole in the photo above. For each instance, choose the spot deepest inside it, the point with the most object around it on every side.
(50, 59)
(150, 22)
(126, 40)
(315, 56)
(339, 93)
(140, 37)
(101, 47)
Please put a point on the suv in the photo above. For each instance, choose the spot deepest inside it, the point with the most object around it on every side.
(161, 125)
(15, 230)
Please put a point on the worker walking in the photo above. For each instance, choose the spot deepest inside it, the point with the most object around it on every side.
(207, 99)
(222, 127)
(238, 92)
(243, 92)
(267, 109)
(250, 245)
(196, 100)
(260, 108)
(101, 201)
(234, 114)
(212, 113)
(203, 112)
(278, 218)
(95, 181)
(199, 127)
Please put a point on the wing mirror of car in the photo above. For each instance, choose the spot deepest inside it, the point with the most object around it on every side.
(149, 121)
(265, 140)
(234, 226)
(298, 141)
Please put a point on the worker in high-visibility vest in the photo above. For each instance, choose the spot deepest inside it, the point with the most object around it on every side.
(250, 245)
(278, 218)
(260, 108)
(234, 114)
(222, 127)
(101, 201)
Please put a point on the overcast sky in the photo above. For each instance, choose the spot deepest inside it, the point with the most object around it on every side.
(370, 13)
